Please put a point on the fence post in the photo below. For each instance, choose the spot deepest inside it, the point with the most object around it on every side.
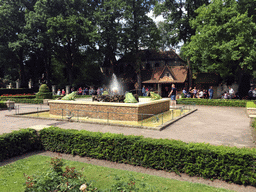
(108, 118)
(62, 113)
(172, 114)
(37, 111)
(78, 115)
(162, 118)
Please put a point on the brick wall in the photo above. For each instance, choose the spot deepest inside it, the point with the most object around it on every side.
(112, 111)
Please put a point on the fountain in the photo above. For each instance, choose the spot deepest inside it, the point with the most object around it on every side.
(114, 110)
(115, 86)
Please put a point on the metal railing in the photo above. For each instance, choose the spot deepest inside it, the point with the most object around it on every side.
(135, 119)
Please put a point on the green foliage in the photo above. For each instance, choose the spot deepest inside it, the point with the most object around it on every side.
(30, 101)
(177, 14)
(213, 102)
(196, 159)
(18, 143)
(224, 41)
(3, 105)
(254, 123)
(15, 91)
(56, 179)
(44, 92)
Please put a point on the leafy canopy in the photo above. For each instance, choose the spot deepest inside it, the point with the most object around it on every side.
(224, 39)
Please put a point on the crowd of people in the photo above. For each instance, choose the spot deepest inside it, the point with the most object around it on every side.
(197, 93)
(84, 91)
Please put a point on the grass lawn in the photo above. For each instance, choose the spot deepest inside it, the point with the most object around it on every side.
(250, 104)
(12, 176)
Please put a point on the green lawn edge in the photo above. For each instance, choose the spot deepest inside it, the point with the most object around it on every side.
(12, 176)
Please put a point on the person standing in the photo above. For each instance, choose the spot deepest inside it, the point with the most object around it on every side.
(172, 94)
(250, 93)
(184, 92)
(210, 92)
(231, 92)
(143, 91)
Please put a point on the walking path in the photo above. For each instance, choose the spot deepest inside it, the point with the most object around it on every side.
(214, 125)
(209, 124)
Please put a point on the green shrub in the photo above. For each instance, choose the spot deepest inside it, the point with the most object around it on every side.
(3, 105)
(44, 92)
(55, 179)
(19, 97)
(15, 91)
(215, 162)
(18, 143)
(29, 101)
(213, 102)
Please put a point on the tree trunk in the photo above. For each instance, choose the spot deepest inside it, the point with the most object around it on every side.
(189, 73)
(22, 71)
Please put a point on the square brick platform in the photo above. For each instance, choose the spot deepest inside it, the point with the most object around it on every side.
(107, 110)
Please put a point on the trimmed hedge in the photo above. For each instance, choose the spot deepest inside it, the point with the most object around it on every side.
(196, 159)
(213, 102)
(15, 91)
(30, 101)
(44, 92)
(3, 105)
(18, 143)
(19, 97)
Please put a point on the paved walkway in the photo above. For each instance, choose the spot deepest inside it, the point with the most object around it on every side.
(214, 125)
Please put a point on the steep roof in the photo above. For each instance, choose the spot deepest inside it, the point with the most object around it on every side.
(178, 74)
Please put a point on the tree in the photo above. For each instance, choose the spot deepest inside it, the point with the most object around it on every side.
(224, 41)
(139, 31)
(177, 14)
(12, 19)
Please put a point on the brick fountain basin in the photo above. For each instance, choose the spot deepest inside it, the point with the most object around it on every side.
(109, 110)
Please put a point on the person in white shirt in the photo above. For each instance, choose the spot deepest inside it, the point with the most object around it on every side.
(254, 94)
(231, 92)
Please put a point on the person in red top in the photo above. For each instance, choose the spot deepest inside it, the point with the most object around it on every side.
(80, 91)
(63, 92)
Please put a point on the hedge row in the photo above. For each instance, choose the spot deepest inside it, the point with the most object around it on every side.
(196, 159)
(3, 105)
(213, 102)
(18, 143)
(16, 91)
(19, 97)
(30, 101)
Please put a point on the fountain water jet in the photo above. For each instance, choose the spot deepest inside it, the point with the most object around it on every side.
(115, 86)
